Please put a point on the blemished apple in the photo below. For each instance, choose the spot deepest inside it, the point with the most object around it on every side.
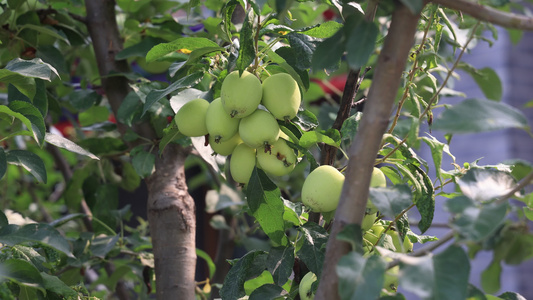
(281, 96)
(219, 124)
(225, 148)
(305, 286)
(242, 163)
(260, 129)
(322, 189)
(241, 94)
(279, 160)
(190, 118)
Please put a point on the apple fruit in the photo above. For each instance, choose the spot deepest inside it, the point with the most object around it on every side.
(225, 148)
(401, 246)
(322, 189)
(392, 279)
(377, 180)
(281, 96)
(190, 118)
(279, 161)
(368, 221)
(241, 94)
(242, 163)
(219, 124)
(260, 129)
(305, 286)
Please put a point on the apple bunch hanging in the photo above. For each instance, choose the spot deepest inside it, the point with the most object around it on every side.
(237, 126)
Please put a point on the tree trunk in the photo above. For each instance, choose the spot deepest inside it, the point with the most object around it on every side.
(363, 151)
(171, 210)
(172, 218)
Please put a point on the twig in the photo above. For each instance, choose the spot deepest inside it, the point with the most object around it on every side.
(489, 14)
(522, 184)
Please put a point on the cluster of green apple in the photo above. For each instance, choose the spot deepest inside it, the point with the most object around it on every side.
(237, 125)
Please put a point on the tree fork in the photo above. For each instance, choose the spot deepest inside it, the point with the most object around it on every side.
(362, 152)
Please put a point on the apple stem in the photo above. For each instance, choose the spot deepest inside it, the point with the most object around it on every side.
(233, 113)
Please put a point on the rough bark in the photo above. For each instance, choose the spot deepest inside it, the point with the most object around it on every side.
(171, 210)
(362, 152)
(172, 226)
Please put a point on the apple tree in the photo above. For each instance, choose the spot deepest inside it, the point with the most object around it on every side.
(304, 119)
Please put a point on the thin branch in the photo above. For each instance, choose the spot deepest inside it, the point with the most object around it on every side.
(522, 184)
(489, 14)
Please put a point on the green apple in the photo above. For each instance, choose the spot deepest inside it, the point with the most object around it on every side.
(279, 160)
(377, 229)
(322, 189)
(260, 129)
(153, 67)
(281, 96)
(242, 163)
(190, 118)
(392, 279)
(377, 180)
(219, 124)
(368, 221)
(401, 246)
(241, 95)
(305, 286)
(225, 148)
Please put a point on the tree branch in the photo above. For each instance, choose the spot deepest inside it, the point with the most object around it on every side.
(489, 14)
(362, 153)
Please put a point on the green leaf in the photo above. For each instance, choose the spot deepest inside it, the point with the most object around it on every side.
(21, 272)
(330, 137)
(29, 161)
(361, 39)
(24, 84)
(329, 52)
(64, 143)
(143, 162)
(46, 30)
(415, 6)
(65, 219)
(484, 184)
(266, 292)
(323, 30)
(280, 262)
(210, 264)
(54, 284)
(352, 234)
(249, 266)
(391, 201)
(185, 44)
(350, 126)
(490, 277)
(489, 82)
(35, 117)
(140, 49)
(475, 115)
(437, 148)
(37, 232)
(246, 43)
(185, 82)
(93, 115)
(35, 68)
(102, 245)
(442, 276)
(360, 278)
(3, 162)
(313, 247)
(511, 296)
(476, 223)
(6, 110)
(303, 46)
(264, 200)
(83, 99)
